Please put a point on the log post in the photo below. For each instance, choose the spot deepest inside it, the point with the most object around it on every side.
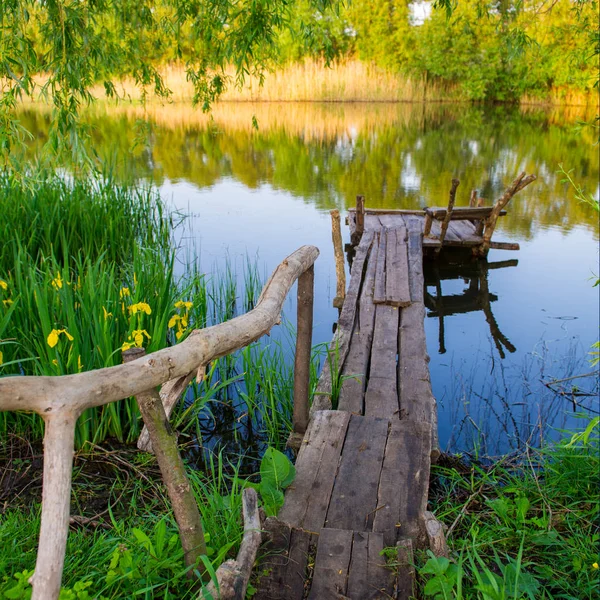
(172, 469)
(359, 217)
(428, 224)
(303, 350)
(340, 272)
(517, 185)
(435, 535)
(59, 439)
(446, 221)
(473, 199)
(233, 575)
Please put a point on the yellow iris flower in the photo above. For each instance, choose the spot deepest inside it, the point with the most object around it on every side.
(140, 307)
(52, 338)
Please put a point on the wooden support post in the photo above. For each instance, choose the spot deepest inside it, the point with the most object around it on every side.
(164, 444)
(446, 221)
(428, 224)
(59, 439)
(473, 199)
(517, 185)
(359, 220)
(435, 534)
(340, 272)
(303, 350)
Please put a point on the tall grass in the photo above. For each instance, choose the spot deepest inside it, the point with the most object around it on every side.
(76, 289)
(526, 526)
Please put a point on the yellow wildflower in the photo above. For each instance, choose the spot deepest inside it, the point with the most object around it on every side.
(52, 338)
(79, 365)
(106, 314)
(7, 302)
(182, 304)
(595, 565)
(135, 339)
(57, 282)
(1, 357)
(140, 307)
(173, 321)
(55, 362)
(124, 292)
(3, 284)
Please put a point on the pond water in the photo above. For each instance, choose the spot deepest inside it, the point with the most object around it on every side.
(264, 192)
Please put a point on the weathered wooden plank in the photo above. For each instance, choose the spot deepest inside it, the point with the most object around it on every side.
(405, 573)
(331, 565)
(274, 561)
(465, 232)
(380, 271)
(354, 496)
(296, 572)
(404, 483)
(462, 212)
(368, 577)
(307, 499)
(381, 397)
(355, 367)
(340, 344)
(397, 285)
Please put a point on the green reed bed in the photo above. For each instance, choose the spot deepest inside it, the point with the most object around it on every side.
(524, 526)
(87, 270)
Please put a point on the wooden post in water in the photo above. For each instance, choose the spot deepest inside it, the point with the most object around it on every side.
(302, 363)
(446, 221)
(359, 215)
(340, 272)
(172, 469)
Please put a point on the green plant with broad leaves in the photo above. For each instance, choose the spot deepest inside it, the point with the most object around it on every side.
(276, 474)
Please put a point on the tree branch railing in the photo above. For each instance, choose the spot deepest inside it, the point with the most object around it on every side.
(60, 400)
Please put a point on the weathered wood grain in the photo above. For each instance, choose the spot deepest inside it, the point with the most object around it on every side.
(354, 496)
(307, 499)
(381, 397)
(405, 572)
(355, 368)
(380, 271)
(404, 483)
(397, 285)
(368, 577)
(340, 344)
(331, 565)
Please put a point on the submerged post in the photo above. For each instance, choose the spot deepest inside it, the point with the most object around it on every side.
(303, 349)
(172, 469)
(338, 251)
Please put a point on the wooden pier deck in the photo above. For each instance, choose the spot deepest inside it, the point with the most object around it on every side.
(363, 469)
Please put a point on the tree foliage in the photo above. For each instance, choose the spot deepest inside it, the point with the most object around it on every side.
(74, 44)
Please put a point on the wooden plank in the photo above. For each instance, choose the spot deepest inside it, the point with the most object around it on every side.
(297, 568)
(405, 574)
(368, 577)
(354, 497)
(307, 499)
(274, 561)
(331, 565)
(461, 212)
(397, 285)
(355, 367)
(404, 483)
(341, 340)
(381, 397)
(380, 272)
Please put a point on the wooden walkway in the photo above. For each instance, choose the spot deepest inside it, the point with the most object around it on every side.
(363, 469)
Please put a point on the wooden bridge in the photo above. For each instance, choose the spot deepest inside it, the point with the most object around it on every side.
(363, 464)
(365, 452)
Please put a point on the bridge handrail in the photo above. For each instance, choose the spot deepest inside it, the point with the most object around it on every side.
(60, 400)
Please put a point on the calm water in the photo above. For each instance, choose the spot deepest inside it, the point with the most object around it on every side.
(266, 192)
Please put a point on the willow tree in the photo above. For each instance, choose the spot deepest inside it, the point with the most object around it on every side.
(61, 48)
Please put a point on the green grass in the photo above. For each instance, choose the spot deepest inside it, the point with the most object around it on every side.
(523, 527)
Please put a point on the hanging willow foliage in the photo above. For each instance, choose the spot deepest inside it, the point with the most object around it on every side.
(61, 48)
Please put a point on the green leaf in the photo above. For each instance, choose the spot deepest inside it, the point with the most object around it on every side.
(277, 469)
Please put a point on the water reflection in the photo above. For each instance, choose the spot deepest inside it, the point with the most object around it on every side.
(475, 297)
